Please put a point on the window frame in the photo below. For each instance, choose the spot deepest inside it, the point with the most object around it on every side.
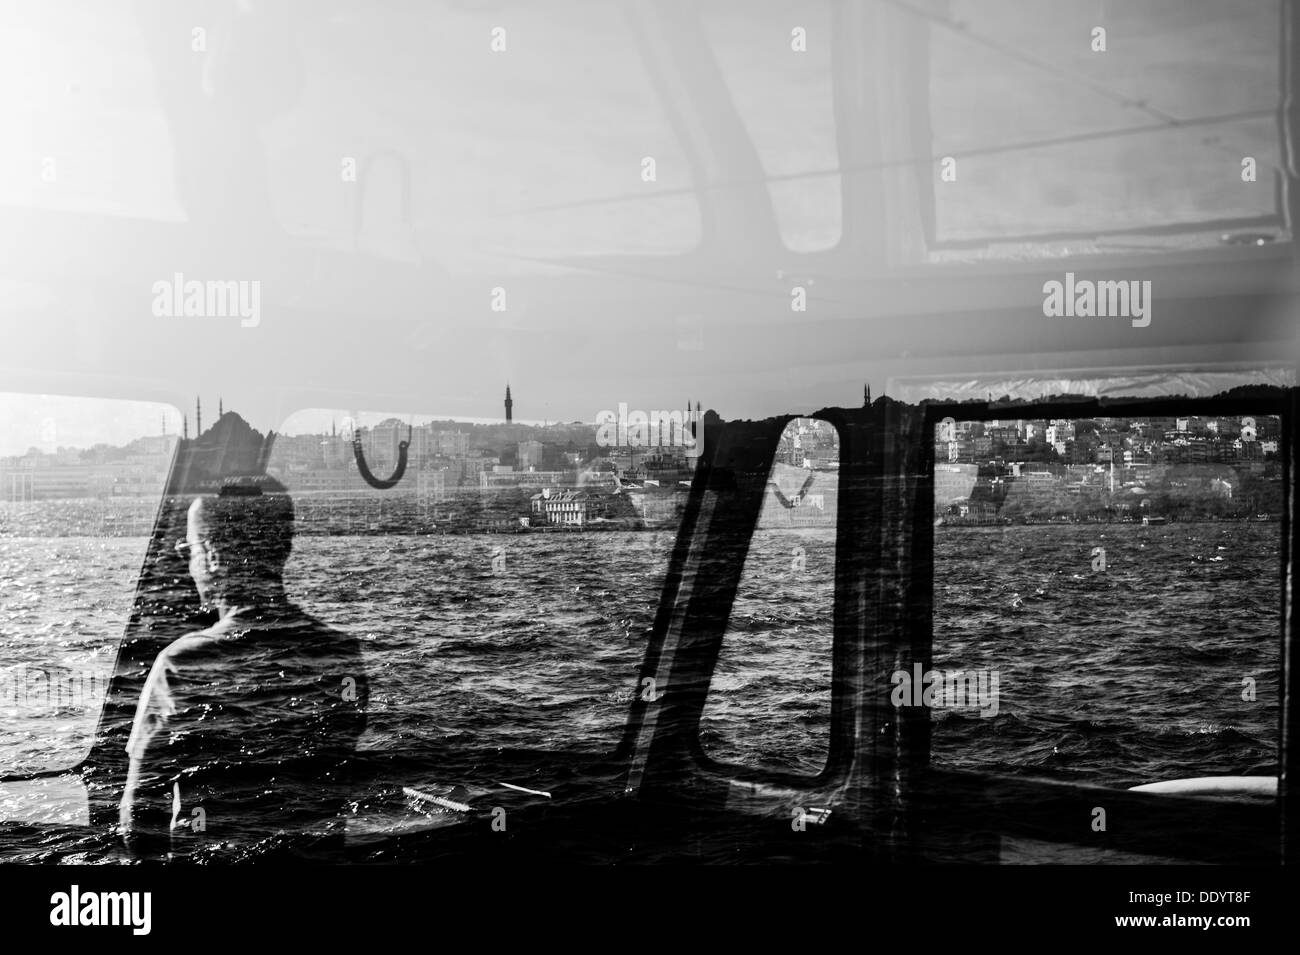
(844, 635)
(766, 771)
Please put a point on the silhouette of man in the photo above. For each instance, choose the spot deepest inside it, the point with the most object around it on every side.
(244, 731)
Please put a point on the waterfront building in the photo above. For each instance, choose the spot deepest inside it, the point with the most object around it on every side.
(565, 507)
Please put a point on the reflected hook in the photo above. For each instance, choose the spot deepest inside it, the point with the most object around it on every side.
(367, 476)
(789, 503)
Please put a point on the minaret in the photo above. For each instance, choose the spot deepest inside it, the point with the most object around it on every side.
(164, 424)
(198, 417)
(510, 405)
(220, 409)
(866, 396)
(185, 423)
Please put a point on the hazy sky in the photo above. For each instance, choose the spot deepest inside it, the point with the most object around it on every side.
(49, 422)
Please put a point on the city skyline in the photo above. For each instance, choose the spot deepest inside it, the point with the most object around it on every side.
(26, 424)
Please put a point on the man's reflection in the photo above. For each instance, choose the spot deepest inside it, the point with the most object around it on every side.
(244, 731)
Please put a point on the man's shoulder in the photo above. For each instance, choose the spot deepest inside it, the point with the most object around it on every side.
(197, 644)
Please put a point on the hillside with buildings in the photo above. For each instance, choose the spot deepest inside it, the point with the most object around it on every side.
(1108, 469)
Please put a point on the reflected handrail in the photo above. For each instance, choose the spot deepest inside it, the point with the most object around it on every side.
(367, 475)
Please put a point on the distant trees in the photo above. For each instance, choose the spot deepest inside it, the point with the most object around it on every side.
(1180, 493)
(1258, 494)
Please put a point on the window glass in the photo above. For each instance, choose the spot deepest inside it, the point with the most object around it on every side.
(533, 151)
(1107, 597)
(80, 484)
(1053, 134)
(779, 81)
(769, 702)
(415, 134)
(504, 588)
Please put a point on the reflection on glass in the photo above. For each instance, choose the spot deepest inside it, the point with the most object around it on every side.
(1055, 136)
(769, 702)
(1120, 579)
(80, 483)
